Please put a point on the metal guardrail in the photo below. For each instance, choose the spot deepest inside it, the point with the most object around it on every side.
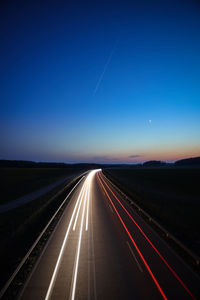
(195, 258)
(10, 280)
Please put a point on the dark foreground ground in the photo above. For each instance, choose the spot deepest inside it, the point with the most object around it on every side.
(17, 182)
(20, 227)
(170, 195)
(101, 249)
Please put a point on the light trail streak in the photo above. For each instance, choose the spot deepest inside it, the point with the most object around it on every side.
(88, 183)
(105, 68)
(88, 203)
(82, 198)
(152, 245)
(77, 214)
(79, 247)
(62, 250)
(135, 245)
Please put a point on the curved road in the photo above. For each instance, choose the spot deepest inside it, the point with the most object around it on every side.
(101, 249)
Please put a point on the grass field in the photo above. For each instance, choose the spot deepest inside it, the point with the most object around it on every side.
(20, 227)
(17, 182)
(170, 195)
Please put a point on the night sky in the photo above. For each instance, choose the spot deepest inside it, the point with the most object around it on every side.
(113, 81)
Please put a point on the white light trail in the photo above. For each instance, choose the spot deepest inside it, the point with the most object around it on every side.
(83, 198)
(105, 68)
(77, 214)
(86, 199)
(79, 246)
(62, 249)
(88, 202)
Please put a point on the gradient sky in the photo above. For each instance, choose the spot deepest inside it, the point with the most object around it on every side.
(99, 81)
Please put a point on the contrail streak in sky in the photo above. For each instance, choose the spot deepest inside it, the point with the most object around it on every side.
(105, 68)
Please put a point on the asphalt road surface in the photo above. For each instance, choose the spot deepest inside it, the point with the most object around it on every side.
(101, 249)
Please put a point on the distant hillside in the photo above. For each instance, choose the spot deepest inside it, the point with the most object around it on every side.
(32, 164)
(154, 163)
(194, 161)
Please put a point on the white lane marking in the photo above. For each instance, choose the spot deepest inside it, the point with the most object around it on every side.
(111, 208)
(78, 247)
(77, 214)
(48, 294)
(88, 202)
(131, 250)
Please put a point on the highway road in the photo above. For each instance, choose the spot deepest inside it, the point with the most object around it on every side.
(101, 249)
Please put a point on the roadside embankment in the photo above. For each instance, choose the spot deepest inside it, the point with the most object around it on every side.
(20, 226)
(170, 195)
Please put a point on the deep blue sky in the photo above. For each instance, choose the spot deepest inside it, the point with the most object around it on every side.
(80, 81)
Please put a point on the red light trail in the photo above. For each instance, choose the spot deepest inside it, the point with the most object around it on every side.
(160, 255)
(134, 243)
